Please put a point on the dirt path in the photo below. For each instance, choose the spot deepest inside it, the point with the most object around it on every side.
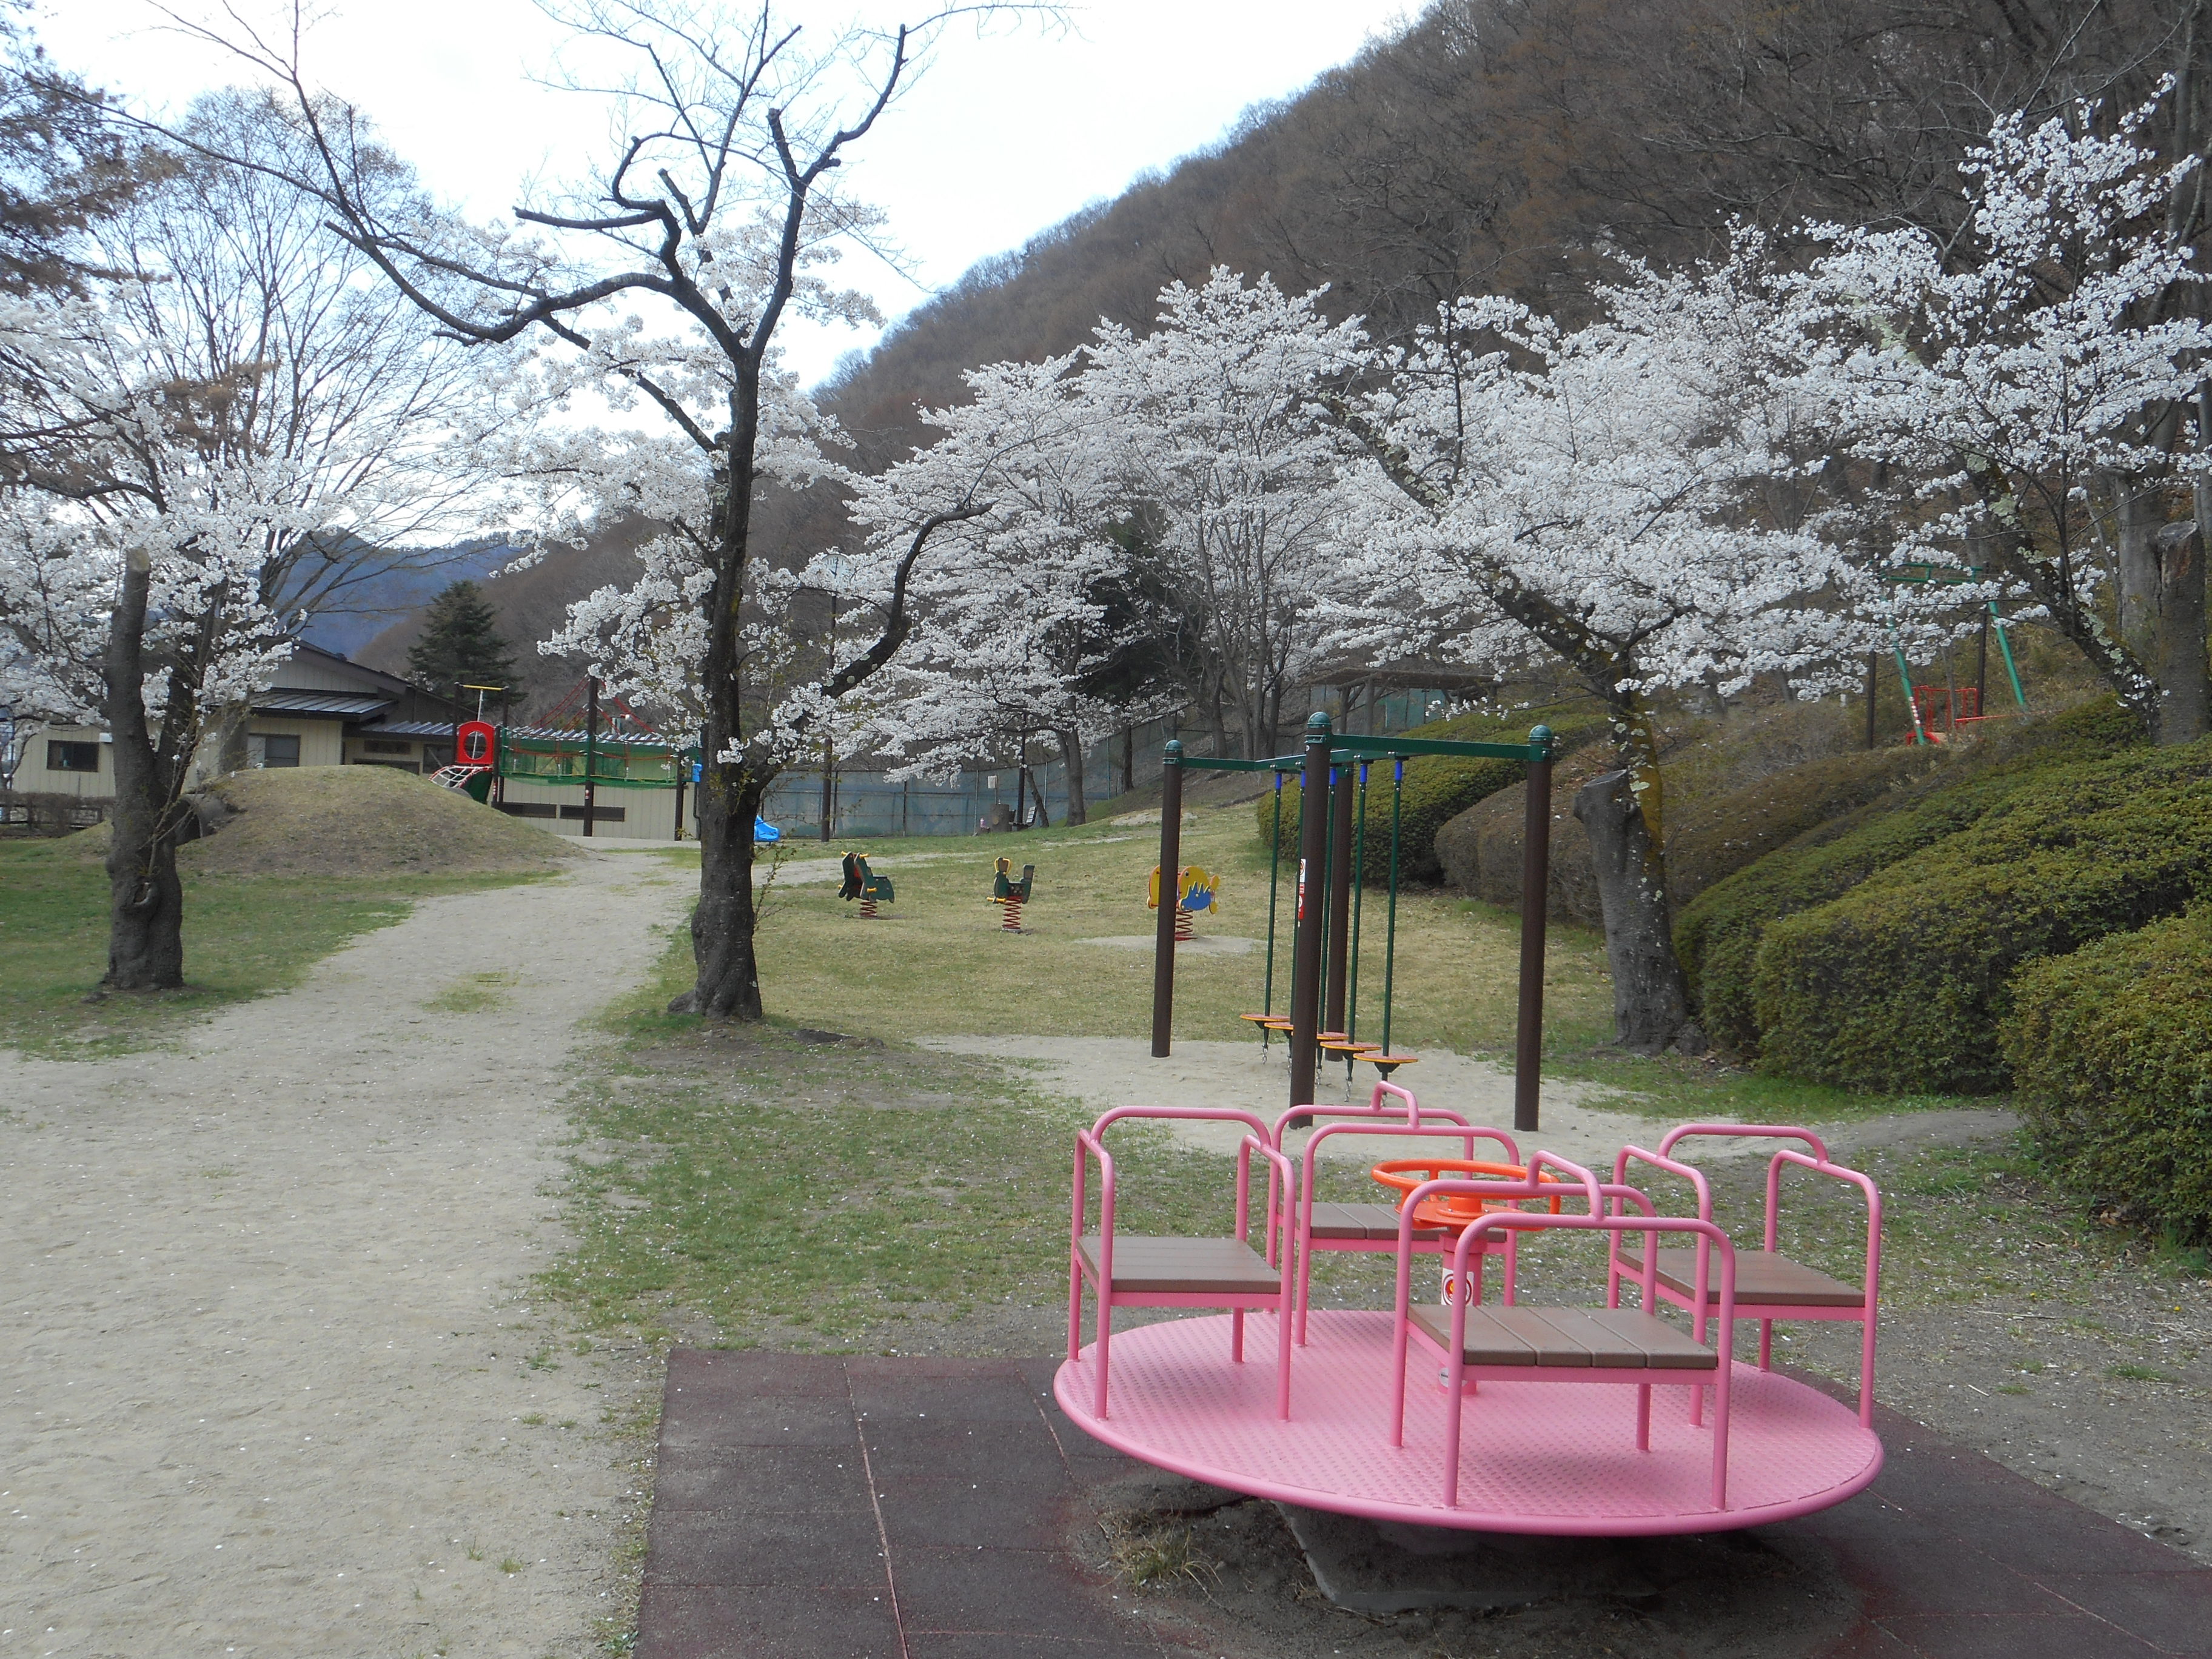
(1105, 1072)
(272, 1383)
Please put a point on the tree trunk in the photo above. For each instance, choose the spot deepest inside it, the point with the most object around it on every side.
(728, 986)
(232, 753)
(1650, 1002)
(145, 902)
(1071, 755)
(2184, 698)
(2137, 516)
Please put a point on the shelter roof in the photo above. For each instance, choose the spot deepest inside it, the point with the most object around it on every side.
(333, 705)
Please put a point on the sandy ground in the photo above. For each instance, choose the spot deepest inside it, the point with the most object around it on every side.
(1104, 1071)
(270, 1349)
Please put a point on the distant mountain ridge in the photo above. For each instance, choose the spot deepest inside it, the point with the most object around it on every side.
(374, 604)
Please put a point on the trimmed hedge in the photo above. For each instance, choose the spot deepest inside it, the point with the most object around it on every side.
(2110, 1052)
(1480, 849)
(1902, 983)
(1717, 935)
(1437, 788)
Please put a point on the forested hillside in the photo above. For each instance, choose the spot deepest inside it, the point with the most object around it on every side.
(1525, 146)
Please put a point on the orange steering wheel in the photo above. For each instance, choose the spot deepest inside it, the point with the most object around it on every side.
(1453, 1209)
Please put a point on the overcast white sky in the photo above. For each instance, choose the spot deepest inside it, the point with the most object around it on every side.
(1005, 135)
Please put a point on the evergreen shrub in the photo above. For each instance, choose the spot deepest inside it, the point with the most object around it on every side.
(1717, 935)
(2111, 1053)
(1902, 983)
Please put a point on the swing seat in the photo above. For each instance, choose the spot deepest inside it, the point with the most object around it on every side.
(1387, 1064)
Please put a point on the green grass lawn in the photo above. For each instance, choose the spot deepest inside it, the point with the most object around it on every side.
(759, 1185)
(938, 965)
(244, 936)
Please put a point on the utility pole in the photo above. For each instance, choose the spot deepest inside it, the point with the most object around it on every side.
(591, 746)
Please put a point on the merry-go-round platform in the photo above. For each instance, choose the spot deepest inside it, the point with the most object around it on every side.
(1535, 1456)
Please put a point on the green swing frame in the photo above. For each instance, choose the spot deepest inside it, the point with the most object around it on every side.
(1332, 769)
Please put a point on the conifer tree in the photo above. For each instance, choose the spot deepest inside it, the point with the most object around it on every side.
(460, 643)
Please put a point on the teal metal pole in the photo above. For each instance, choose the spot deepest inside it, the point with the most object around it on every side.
(1275, 871)
(2012, 669)
(1321, 886)
(1358, 902)
(1390, 935)
(1905, 673)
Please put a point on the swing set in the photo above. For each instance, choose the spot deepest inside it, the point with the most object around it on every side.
(1939, 711)
(1334, 776)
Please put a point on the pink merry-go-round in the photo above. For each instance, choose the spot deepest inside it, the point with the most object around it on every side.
(1476, 1412)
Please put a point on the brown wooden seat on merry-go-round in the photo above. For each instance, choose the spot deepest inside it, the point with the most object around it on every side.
(1613, 1339)
(1183, 1266)
(1378, 1221)
(1761, 1276)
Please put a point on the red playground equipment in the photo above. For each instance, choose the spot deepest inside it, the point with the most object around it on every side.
(1366, 1433)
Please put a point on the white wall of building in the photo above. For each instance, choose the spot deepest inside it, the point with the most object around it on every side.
(646, 814)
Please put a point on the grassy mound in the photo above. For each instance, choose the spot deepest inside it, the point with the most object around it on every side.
(1736, 789)
(1719, 934)
(1901, 984)
(360, 820)
(2111, 1053)
(1710, 837)
(1479, 850)
(353, 821)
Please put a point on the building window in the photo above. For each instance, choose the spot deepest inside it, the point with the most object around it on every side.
(72, 756)
(281, 749)
(385, 746)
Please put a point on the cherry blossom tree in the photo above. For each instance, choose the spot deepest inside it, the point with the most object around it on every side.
(713, 221)
(1232, 470)
(2016, 373)
(1627, 500)
(131, 537)
(1014, 625)
(225, 431)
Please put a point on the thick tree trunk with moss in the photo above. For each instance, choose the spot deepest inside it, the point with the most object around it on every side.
(1624, 812)
(728, 985)
(145, 902)
(1651, 1004)
(2185, 697)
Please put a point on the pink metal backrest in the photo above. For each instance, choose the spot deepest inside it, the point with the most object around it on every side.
(1407, 1107)
(1772, 1131)
(1514, 1221)
(1836, 1171)
(1093, 1140)
(1820, 1162)
(1696, 1177)
(1467, 1134)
